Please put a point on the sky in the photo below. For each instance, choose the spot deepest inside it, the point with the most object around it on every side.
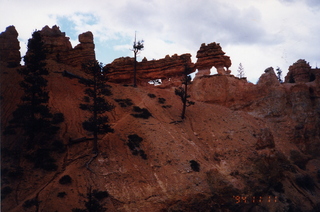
(256, 33)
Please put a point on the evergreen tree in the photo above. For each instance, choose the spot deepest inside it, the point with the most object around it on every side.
(33, 115)
(240, 71)
(183, 90)
(279, 73)
(96, 103)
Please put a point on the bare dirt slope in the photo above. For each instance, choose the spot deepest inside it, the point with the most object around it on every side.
(217, 159)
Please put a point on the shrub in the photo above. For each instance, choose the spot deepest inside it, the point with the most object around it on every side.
(161, 100)
(141, 113)
(66, 179)
(124, 102)
(134, 145)
(151, 95)
(195, 166)
(100, 195)
(61, 194)
(31, 202)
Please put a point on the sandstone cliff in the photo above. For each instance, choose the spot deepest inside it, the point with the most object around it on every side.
(242, 147)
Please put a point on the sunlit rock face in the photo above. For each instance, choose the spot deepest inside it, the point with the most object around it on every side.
(166, 69)
(10, 47)
(211, 55)
(60, 49)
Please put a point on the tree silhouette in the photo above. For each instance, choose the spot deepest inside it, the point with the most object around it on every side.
(137, 46)
(279, 72)
(33, 115)
(96, 103)
(240, 71)
(183, 90)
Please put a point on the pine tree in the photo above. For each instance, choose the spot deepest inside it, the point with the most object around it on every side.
(240, 71)
(183, 90)
(96, 104)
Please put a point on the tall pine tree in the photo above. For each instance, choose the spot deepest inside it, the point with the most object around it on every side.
(96, 104)
(33, 119)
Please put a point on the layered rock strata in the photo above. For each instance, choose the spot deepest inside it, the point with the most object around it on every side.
(166, 69)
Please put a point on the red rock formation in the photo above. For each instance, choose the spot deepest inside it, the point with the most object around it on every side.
(59, 47)
(212, 55)
(9, 47)
(300, 71)
(121, 69)
(268, 78)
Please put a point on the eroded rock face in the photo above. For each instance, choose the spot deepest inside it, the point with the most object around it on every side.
(59, 47)
(9, 47)
(268, 78)
(121, 69)
(301, 71)
(212, 55)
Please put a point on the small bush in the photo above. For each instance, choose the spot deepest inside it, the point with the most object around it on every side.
(306, 182)
(100, 195)
(31, 202)
(5, 191)
(141, 113)
(61, 194)
(134, 145)
(151, 95)
(195, 166)
(124, 102)
(66, 179)
(161, 100)
(166, 106)
(143, 155)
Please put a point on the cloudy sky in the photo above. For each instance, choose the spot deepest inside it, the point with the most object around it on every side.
(256, 33)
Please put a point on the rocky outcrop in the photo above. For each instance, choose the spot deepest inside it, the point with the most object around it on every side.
(268, 78)
(301, 71)
(9, 47)
(212, 55)
(59, 47)
(166, 69)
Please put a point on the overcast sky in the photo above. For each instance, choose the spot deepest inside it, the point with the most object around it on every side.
(256, 33)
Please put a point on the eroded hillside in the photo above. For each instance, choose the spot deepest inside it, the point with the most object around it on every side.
(241, 147)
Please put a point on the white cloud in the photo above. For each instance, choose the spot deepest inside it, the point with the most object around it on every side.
(256, 33)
